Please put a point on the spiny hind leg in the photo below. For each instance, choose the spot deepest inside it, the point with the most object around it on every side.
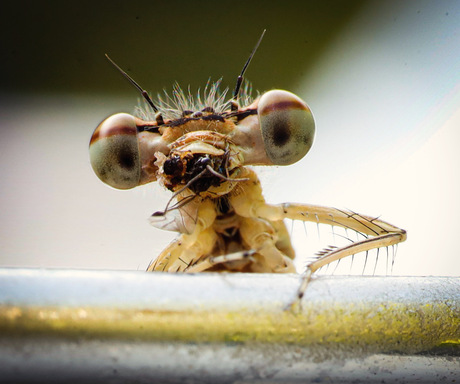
(377, 233)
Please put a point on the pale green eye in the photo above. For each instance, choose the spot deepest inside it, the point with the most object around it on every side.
(114, 152)
(287, 126)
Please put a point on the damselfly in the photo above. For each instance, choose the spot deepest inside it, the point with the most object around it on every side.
(199, 148)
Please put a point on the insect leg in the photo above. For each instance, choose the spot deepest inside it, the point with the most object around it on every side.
(378, 233)
(262, 236)
(209, 262)
(269, 237)
(167, 256)
(184, 252)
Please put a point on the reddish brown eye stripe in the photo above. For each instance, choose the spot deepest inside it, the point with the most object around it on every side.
(283, 106)
(113, 132)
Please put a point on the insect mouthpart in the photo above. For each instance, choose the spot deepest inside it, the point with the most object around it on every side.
(191, 169)
(198, 165)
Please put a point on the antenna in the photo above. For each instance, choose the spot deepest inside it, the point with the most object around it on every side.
(240, 77)
(143, 92)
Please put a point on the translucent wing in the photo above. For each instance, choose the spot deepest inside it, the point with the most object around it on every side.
(181, 217)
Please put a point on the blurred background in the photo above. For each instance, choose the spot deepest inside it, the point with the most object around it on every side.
(382, 78)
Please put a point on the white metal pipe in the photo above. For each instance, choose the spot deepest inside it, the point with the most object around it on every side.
(107, 326)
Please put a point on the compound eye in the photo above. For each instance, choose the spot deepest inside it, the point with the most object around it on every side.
(114, 152)
(287, 126)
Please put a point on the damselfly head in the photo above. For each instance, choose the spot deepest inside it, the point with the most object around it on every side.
(164, 142)
(276, 129)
